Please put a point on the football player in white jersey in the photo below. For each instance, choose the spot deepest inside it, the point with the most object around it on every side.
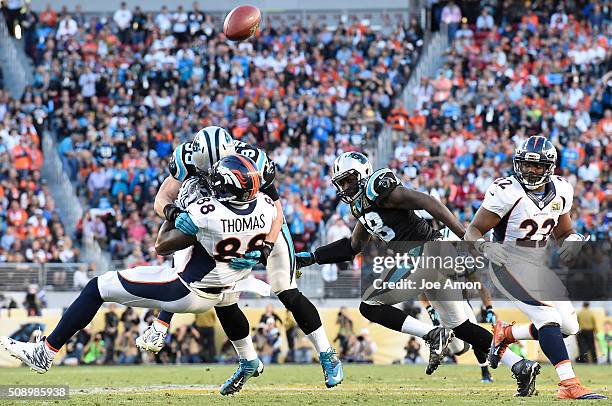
(191, 159)
(236, 218)
(523, 210)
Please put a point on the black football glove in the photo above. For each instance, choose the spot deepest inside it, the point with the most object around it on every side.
(171, 212)
(304, 258)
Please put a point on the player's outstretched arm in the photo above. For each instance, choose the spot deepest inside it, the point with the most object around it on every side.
(404, 198)
(167, 194)
(342, 250)
(170, 240)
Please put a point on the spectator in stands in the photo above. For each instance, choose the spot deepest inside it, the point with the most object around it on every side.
(451, 16)
(413, 352)
(345, 330)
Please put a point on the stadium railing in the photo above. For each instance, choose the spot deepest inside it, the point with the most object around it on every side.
(16, 76)
(18, 277)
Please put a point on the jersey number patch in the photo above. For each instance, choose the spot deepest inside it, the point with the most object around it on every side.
(205, 208)
(533, 228)
(228, 248)
(375, 225)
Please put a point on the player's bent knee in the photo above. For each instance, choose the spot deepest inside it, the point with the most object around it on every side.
(570, 327)
(549, 318)
(290, 298)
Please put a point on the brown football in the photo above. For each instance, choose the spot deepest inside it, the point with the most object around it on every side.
(241, 23)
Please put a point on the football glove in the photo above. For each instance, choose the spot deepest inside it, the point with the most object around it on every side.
(185, 224)
(571, 247)
(490, 315)
(171, 212)
(253, 257)
(433, 315)
(492, 250)
(304, 258)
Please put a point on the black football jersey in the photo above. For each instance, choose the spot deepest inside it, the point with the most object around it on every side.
(181, 165)
(264, 164)
(384, 223)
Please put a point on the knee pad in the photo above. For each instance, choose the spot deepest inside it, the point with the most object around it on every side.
(570, 327)
(548, 317)
(290, 298)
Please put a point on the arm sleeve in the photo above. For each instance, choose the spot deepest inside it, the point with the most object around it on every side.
(271, 191)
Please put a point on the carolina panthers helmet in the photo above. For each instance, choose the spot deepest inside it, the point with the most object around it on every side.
(349, 171)
(235, 179)
(539, 151)
(210, 145)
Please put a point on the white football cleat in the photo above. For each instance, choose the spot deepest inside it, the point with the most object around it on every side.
(35, 355)
(152, 339)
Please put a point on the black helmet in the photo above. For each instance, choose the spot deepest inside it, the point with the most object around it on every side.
(235, 179)
(536, 150)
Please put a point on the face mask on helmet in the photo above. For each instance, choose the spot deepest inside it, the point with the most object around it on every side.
(533, 174)
(348, 186)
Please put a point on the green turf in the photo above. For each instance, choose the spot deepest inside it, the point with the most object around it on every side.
(282, 385)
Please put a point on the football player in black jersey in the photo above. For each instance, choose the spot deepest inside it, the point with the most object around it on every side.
(386, 211)
(195, 159)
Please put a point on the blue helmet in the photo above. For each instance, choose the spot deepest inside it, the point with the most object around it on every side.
(235, 179)
(538, 151)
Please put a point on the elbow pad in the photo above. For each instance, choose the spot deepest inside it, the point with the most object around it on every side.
(335, 252)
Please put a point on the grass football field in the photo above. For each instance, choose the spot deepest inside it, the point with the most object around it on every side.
(289, 385)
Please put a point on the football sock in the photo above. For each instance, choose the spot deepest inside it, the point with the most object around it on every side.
(481, 356)
(394, 319)
(524, 332)
(510, 358)
(551, 342)
(318, 338)
(233, 321)
(245, 349)
(80, 313)
(159, 325)
(479, 337)
(415, 327)
(165, 317)
(305, 313)
(564, 370)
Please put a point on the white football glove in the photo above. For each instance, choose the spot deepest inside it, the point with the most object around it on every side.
(568, 251)
(492, 250)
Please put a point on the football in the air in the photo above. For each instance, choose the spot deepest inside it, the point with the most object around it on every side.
(241, 23)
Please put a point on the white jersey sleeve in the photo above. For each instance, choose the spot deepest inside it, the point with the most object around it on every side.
(566, 191)
(501, 196)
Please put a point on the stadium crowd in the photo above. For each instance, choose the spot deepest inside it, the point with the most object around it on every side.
(121, 93)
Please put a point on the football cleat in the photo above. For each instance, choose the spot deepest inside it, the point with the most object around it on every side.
(572, 389)
(525, 372)
(486, 376)
(332, 368)
(438, 340)
(35, 355)
(246, 370)
(152, 339)
(502, 338)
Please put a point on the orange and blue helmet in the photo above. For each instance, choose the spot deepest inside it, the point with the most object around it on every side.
(535, 152)
(235, 179)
